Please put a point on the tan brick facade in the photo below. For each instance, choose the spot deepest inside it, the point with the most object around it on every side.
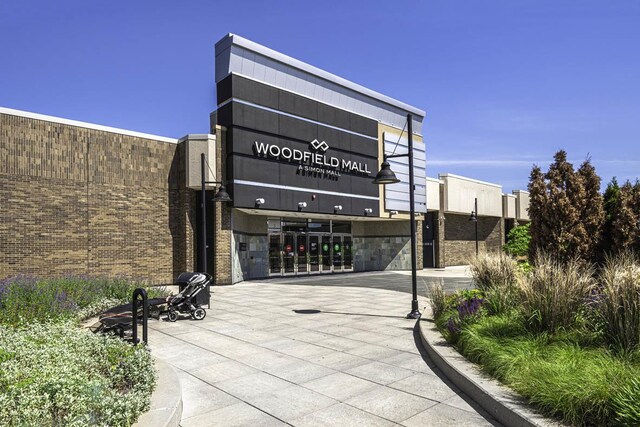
(76, 200)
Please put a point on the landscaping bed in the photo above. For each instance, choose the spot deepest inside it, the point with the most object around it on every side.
(562, 336)
(53, 373)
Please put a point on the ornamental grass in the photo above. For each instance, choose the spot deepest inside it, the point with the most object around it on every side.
(619, 301)
(553, 293)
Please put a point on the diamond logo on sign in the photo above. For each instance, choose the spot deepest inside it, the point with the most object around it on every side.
(319, 146)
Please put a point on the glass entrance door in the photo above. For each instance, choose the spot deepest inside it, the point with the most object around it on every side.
(337, 253)
(275, 255)
(289, 253)
(314, 253)
(301, 254)
(317, 248)
(326, 254)
(347, 252)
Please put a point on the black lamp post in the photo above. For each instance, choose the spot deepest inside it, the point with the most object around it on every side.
(386, 176)
(220, 196)
(474, 218)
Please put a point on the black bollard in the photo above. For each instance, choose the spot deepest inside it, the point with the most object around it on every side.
(139, 292)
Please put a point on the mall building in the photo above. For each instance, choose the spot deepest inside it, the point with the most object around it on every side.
(297, 149)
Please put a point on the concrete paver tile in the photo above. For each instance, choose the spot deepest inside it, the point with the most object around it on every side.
(340, 386)
(339, 361)
(236, 415)
(458, 402)
(373, 352)
(199, 397)
(339, 343)
(400, 343)
(187, 363)
(380, 373)
(252, 385)
(266, 360)
(390, 404)
(425, 385)
(303, 350)
(341, 415)
(442, 415)
(413, 362)
(300, 371)
(222, 371)
(290, 403)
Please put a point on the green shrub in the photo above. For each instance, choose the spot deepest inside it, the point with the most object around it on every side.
(25, 299)
(553, 293)
(518, 241)
(496, 275)
(627, 403)
(619, 304)
(582, 386)
(54, 374)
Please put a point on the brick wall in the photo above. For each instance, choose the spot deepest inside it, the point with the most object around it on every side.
(459, 243)
(83, 201)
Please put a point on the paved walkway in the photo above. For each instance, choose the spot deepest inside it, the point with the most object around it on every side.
(451, 279)
(270, 354)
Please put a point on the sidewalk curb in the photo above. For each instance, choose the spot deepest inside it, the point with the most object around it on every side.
(501, 403)
(166, 400)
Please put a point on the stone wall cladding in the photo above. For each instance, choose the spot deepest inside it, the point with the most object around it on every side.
(459, 242)
(385, 245)
(84, 201)
(382, 253)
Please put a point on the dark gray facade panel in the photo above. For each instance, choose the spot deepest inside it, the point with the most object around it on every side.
(253, 173)
(267, 124)
(287, 102)
(287, 200)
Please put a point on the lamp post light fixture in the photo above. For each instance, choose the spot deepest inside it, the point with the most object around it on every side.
(474, 217)
(387, 176)
(220, 196)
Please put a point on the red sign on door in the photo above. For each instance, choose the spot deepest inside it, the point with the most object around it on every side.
(301, 248)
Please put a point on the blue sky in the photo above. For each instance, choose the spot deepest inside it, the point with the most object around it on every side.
(505, 83)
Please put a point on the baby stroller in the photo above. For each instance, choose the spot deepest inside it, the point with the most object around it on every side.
(186, 301)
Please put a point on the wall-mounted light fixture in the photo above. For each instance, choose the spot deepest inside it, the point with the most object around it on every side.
(337, 208)
(302, 205)
(474, 218)
(368, 211)
(259, 202)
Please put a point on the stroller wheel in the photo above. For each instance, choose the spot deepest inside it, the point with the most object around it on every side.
(198, 314)
(172, 316)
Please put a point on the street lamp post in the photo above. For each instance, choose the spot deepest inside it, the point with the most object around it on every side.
(220, 196)
(386, 176)
(474, 218)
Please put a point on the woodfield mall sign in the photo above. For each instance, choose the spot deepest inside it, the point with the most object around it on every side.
(313, 161)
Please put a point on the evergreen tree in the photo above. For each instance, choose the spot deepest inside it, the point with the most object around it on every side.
(625, 222)
(566, 210)
(591, 211)
(538, 201)
(610, 203)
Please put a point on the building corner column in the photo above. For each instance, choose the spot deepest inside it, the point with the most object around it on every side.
(223, 230)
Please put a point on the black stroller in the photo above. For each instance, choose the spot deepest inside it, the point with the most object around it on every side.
(186, 301)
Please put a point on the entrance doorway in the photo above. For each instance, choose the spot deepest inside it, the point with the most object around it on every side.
(309, 247)
(428, 240)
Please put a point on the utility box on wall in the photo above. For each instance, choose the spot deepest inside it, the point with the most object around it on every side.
(195, 145)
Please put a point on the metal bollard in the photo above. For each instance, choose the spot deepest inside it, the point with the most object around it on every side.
(139, 292)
